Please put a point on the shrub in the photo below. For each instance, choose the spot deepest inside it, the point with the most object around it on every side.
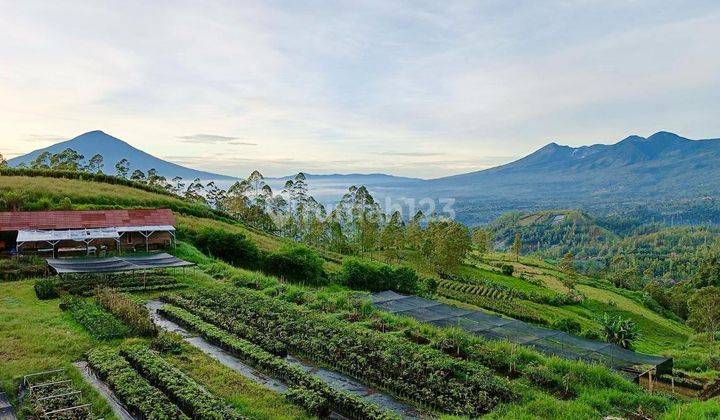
(375, 277)
(100, 323)
(46, 288)
(133, 314)
(234, 248)
(180, 388)
(297, 263)
(297, 378)
(620, 331)
(312, 401)
(507, 269)
(417, 373)
(167, 342)
(568, 325)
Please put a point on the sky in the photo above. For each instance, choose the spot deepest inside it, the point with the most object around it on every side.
(422, 89)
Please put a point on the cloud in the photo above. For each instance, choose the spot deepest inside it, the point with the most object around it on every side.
(410, 154)
(444, 87)
(214, 139)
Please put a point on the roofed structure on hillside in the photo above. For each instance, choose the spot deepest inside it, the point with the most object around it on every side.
(84, 219)
(96, 230)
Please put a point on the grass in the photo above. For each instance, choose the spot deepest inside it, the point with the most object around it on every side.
(35, 336)
(248, 397)
(87, 192)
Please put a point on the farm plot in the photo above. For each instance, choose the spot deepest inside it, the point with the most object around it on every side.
(51, 394)
(421, 374)
(301, 382)
(150, 387)
(85, 284)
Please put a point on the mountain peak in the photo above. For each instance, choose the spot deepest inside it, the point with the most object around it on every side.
(664, 136)
(114, 149)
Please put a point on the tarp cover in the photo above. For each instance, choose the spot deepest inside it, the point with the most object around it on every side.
(78, 235)
(548, 341)
(115, 264)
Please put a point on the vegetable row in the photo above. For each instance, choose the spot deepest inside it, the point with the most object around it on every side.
(192, 398)
(306, 390)
(408, 370)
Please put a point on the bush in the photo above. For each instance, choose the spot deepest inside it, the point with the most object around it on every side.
(46, 288)
(568, 325)
(312, 401)
(167, 342)
(100, 323)
(507, 269)
(234, 248)
(297, 263)
(376, 277)
(131, 313)
(620, 331)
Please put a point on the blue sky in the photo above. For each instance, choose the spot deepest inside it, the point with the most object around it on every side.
(410, 88)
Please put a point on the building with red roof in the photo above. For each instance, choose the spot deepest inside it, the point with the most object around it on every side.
(85, 230)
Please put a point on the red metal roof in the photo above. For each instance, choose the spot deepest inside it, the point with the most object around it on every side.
(79, 219)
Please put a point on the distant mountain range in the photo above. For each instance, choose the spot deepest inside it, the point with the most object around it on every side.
(631, 173)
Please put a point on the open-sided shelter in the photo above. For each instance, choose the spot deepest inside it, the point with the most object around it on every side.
(89, 231)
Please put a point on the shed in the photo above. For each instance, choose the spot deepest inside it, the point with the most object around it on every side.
(86, 230)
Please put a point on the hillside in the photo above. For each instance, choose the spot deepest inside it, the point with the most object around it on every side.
(113, 149)
(331, 323)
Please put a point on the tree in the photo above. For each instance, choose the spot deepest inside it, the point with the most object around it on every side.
(618, 330)
(704, 309)
(195, 191)
(153, 178)
(567, 264)
(122, 167)
(177, 185)
(42, 161)
(3, 162)
(446, 244)
(138, 176)
(95, 164)
(67, 160)
(517, 246)
(482, 239)
(392, 237)
(215, 196)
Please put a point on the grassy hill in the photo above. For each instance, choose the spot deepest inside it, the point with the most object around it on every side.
(545, 387)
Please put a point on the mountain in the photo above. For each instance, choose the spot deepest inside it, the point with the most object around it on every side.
(632, 172)
(113, 149)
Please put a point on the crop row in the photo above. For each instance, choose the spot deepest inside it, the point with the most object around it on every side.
(131, 313)
(307, 390)
(239, 329)
(509, 308)
(192, 398)
(475, 289)
(139, 397)
(49, 288)
(419, 373)
(84, 285)
(99, 322)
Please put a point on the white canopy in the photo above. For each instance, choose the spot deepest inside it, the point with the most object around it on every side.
(79, 235)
